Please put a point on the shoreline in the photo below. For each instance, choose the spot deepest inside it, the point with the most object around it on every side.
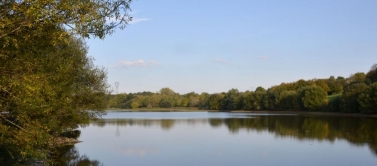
(193, 109)
(309, 113)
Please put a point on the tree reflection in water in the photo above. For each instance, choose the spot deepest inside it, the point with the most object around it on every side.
(357, 131)
(69, 156)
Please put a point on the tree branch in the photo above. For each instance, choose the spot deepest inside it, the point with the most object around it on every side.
(14, 124)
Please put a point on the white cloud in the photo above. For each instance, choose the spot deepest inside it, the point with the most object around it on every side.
(137, 20)
(220, 60)
(137, 63)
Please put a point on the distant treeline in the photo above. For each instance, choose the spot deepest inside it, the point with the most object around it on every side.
(357, 93)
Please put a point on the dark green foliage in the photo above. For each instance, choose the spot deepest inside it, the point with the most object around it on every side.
(349, 101)
(48, 84)
(260, 89)
(258, 102)
(289, 100)
(165, 104)
(368, 99)
(372, 74)
(357, 78)
(214, 101)
(232, 100)
(312, 98)
(334, 103)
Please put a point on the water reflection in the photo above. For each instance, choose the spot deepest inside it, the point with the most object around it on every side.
(357, 131)
(69, 156)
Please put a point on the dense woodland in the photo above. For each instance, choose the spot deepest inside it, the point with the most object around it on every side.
(48, 84)
(355, 94)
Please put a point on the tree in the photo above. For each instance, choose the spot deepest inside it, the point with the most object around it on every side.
(45, 90)
(203, 99)
(258, 102)
(349, 101)
(372, 74)
(232, 100)
(357, 77)
(323, 85)
(288, 100)
(368, 99)
(335, 86)
(167, 92)
(28, 18)
(117, 100)
(165, 104)
(248, 100)
(47, 82)
(214, 101)
(260, 89)
(312, 97)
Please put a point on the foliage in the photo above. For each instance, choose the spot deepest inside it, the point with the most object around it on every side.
(26, 19)
(372, 74)
(44, 92)
(232, 100)
(334, 103)
(289, 100)
(349, 101)
(260, 89)
(48, 84)
(357, 77)
(214, 101)
(312, 97)
(165, 104)
(368, 99)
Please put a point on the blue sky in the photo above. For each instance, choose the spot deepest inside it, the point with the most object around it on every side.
(215, 45)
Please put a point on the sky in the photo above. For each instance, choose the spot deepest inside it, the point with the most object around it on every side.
(216, 45)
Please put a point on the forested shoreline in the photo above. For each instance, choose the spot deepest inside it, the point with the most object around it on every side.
(355, 94)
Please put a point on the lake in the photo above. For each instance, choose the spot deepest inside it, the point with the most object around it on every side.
(225, 139)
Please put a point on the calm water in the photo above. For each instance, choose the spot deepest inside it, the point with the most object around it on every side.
(201, 138)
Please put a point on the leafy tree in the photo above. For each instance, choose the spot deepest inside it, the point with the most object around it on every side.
(322, 83)
(232, 100)
(258, 102)
(47, 82)
(167, 92)
(27, 19)
(248, 100)
(260, 89)
(336, 86)
(45, 91)
(288, 100)
(203, 99)
(214, 101)
(154, 100)
(349, 101)
(165, 104)
(368, 99)
(312, 97)
(117, 100)
(372, 74)
(357, 77)
(194, 102)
